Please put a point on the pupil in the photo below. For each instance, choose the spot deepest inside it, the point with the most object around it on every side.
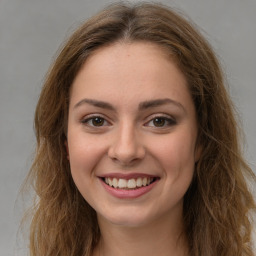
(97, 121)
(159, 122)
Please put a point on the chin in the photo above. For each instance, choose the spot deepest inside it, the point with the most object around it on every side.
(127, 218)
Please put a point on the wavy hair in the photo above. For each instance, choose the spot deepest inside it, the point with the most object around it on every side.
(218, 203)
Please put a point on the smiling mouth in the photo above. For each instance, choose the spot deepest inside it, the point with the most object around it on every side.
(129, 184)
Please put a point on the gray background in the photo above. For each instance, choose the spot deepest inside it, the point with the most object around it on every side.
(31, 32)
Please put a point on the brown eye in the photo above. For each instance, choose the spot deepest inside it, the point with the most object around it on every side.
(159, 122)
(98, 121)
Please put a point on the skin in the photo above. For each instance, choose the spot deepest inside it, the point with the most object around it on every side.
(128, 139)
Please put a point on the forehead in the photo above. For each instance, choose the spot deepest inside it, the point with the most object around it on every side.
(129, 71)
(128, 54)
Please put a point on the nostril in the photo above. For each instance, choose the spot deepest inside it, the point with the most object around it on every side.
(126, 157)
(126, 148)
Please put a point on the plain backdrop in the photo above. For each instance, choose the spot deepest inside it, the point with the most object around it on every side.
(30, 34)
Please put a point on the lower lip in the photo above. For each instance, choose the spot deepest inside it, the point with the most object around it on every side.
(125, 193)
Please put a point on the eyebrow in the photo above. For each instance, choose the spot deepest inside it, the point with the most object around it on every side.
(96, 103)
(159, 102)
(142, 106)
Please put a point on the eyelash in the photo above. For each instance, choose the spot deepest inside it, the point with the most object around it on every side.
(167, 122)
(88, 121)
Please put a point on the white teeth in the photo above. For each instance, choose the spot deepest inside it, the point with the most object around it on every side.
(115, 183)
(122, 183)
(128, 184)
(144, 182)
(131, 183)
(139, 182)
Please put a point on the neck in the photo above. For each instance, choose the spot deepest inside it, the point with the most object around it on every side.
(159, 238)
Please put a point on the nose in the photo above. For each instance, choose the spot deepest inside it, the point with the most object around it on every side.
(126, 148)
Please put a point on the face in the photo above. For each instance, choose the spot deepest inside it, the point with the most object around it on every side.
(132, 134)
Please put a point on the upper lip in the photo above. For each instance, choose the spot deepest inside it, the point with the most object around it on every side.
(127, 175)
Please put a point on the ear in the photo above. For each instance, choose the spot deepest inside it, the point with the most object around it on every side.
(198, 152)
(67, 150)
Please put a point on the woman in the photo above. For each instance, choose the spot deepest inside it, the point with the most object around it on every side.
(137, 144)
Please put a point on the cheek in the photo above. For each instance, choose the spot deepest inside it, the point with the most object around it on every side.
(176, 158)
(176, 153)
(84, 154)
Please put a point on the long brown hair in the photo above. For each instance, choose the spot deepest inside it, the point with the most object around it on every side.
(217, 205)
